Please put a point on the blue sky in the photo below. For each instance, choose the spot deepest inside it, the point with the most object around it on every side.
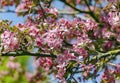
(11, 16)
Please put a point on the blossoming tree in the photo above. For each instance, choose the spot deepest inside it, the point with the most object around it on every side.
(71, 48)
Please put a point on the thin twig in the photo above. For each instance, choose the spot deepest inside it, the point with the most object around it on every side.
(81, 11)
(87, 5)
(43, 12)
(112, 64)
(105, 55)
(92, 14)
(68, 13)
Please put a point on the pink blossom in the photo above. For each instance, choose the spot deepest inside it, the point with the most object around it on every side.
(106, 33)
(83, 40)
(12, 58)
(21, 7)
(21, 27)
(6, 34)
(108, 76)
(52, 14)
(64, 22)
(91, 24)
(13, 65)
(118, 38)
(52, 39)
(78, 47)
(77, 21)
(33, 31)
(46, 63)
(39, 41)
(60, 75)
(81, 51)
(28, 75)
(9, 41)
(78, 1)
(97, 33)
(24, 6)
(85, 74)
(53, 11)
(117, 69)
(62, 60)
(107, 45)
(113, 18)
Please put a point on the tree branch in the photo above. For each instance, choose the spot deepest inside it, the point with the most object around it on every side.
(87, 5)
(43, 12)
(29, 54)
(81, 11)
(91, 13)
(60, 12)
(112, 64)
(68, 13)
(110, 53)
(105, 55)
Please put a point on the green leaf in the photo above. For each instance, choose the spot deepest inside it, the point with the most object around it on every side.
(36, 2)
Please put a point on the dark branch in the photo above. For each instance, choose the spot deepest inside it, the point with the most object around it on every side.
(41, 8)
(91, 13)
(29, 54)
(101, 56)
(81, 11)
